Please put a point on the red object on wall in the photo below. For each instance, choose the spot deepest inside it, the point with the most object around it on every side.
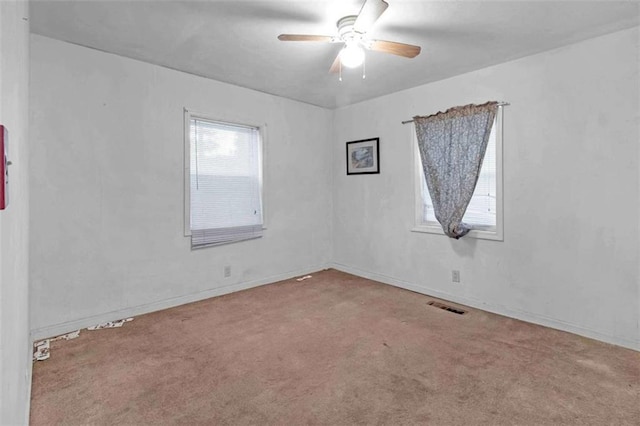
(4, 169)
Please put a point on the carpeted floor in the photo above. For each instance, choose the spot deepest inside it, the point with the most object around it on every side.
(334, 349)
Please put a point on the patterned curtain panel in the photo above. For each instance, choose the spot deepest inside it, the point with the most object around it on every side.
(452, 146)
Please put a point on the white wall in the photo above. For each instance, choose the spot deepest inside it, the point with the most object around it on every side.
(570, 253)
(106, 201)
(15, 345)
(107, 188)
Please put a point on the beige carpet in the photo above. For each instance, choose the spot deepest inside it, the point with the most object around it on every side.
(334, 349)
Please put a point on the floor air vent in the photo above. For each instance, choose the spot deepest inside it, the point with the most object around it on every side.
(447, 308)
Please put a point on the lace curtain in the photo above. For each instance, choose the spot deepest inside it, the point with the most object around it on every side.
(452, 146)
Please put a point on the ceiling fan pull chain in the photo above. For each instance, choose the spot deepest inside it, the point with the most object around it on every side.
(340, 77)
(364, 67)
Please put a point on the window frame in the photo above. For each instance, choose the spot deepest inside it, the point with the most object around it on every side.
(435, 227)
(262, 140)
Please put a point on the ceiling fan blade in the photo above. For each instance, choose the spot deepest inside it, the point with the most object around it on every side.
(304, 37)
(335, 67)
(369, 14)
(400, 49)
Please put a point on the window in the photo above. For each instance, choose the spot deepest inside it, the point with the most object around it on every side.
(223, 181)
(484, 212)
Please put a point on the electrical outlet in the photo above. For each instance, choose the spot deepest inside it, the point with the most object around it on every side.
(227, 271)
(455, 276)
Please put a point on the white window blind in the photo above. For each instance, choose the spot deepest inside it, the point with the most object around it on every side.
(225, 183)
(481, 212)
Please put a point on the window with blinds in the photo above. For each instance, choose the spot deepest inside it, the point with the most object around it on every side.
(483, 209)
(225, 182)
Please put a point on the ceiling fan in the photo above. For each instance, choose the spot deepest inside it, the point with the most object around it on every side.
(352, 31)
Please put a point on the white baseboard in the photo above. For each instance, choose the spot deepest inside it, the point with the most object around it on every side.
(69, 326)
(493, 308)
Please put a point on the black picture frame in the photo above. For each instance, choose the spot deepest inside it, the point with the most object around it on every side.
(363, 157)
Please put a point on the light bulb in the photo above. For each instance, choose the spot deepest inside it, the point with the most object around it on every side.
(352, 55)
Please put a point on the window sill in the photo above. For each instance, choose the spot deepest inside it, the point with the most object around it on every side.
(475, 233)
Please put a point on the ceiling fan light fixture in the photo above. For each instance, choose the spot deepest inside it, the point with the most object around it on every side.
(352, 55)
(353, 32)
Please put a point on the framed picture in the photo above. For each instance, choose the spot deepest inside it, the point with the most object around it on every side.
(363, 157)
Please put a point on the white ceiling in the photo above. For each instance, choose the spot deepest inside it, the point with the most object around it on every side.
(236, 41)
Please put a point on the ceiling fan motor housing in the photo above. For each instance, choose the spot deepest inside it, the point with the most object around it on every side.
(346, 30)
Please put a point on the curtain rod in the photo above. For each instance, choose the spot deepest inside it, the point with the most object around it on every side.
(499, 104)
